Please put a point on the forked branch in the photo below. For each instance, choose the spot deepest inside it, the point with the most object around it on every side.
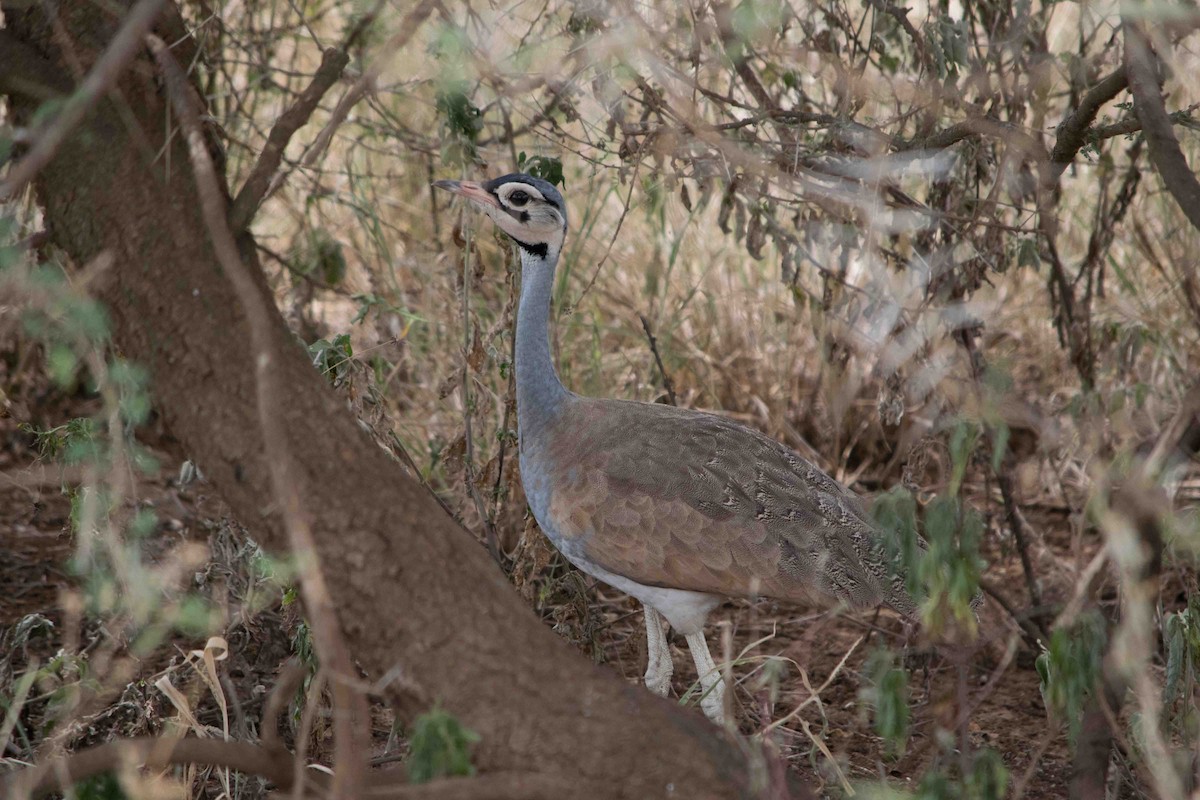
(333, 61)
(1073, 131)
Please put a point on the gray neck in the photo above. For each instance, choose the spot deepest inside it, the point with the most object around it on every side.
(539, 391)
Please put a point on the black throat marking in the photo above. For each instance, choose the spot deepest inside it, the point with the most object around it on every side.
(539, 250)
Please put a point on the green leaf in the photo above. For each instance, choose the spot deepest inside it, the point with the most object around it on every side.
(62, 364)
(887, 695)
(48, 110)
(29, 626)
(1000, 445)
(333, 359)
(131, 381)
(1042, 665)
(1070, 666)
(461, 120)
(144, 523)
(962, 444)
(988, 779)
(440, 747)
(896, 513)
(545, 167)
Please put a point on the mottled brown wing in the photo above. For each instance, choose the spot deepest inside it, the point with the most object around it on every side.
(676, 498)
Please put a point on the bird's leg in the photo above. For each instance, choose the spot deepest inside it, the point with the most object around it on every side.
(658, 655)
(712, 684)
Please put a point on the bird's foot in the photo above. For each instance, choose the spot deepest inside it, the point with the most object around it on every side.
(658, 683)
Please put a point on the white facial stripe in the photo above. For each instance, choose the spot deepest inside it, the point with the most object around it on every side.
(508, 188)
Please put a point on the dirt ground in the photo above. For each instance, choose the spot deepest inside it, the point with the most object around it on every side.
(996, 673)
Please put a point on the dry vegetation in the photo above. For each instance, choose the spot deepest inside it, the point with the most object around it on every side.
(930, 250)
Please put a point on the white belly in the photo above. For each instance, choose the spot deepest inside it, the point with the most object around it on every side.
(685, 610)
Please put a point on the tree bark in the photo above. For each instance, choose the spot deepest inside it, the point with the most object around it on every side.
(416, 595)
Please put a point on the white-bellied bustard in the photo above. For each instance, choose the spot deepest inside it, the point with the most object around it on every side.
(676, 507)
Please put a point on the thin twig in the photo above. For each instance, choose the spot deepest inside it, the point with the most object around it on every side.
(814, 697)
(667, 384)
(1133, 531)
(364, 22)
(1016, 521)
(350, 708)
(397, 448)
(1181, 437)
(124, 46)
(313, 694)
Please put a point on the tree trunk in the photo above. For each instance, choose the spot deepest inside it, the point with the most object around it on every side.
(417, 597)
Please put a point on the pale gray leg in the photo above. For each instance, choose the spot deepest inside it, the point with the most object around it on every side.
(712, 684)
(658, 654)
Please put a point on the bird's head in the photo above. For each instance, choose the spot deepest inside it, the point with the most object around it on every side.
(528, 209)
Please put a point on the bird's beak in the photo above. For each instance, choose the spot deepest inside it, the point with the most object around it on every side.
(470, 190)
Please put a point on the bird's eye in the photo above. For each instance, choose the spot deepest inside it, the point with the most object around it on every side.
(518, 198)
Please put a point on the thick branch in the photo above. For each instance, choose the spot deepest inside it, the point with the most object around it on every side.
(333, 61)
(350, 708)
(979, 126)
(103, 75)
(1073, 131)
(1140, 64)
